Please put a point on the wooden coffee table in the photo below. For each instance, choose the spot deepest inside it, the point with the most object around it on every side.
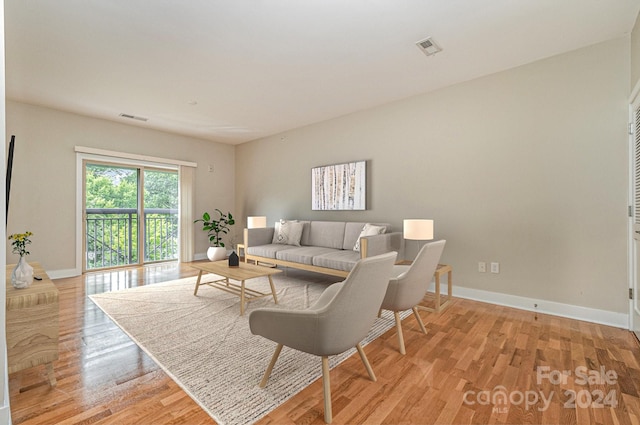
(242, 273)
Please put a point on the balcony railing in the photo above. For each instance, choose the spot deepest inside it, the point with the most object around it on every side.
(112, 236)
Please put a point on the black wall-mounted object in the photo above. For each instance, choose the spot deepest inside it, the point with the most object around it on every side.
(8, 180)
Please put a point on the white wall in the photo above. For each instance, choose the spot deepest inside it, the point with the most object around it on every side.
(5, 412)
(527, 167)
(43, 190)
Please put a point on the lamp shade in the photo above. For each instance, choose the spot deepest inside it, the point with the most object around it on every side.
(256, 222)
(418, 229)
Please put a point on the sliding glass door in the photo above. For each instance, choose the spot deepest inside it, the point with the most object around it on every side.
(130, 215)
(160, 215)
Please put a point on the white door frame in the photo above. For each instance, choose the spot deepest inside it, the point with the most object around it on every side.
(100, 155)
(632, 256)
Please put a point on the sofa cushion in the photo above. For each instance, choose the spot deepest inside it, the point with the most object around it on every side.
(303, 255)
(288, 233)
(269, 250)
(352, 233)
(327, 234)
(306, 228)
(339, 260)
(369, 230)
(258, 236)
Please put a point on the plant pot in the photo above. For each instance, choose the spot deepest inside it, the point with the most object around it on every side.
(22, 275)
(216, 253)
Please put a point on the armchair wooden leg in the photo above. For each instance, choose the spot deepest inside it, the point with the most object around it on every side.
(328, 417)
(267, 373)
(399, 330)
(367, 365)
(419, 319)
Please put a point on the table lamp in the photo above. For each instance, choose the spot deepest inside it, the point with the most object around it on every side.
(417, 229)
(257, 222)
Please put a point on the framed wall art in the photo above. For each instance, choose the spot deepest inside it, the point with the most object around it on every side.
(339, 186)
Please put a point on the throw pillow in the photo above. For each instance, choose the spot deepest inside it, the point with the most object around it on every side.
(288, 233)
(369, 230)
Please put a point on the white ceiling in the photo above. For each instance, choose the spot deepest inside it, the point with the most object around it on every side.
(260, 67)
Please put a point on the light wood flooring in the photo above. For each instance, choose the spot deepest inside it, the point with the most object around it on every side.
(473, 351)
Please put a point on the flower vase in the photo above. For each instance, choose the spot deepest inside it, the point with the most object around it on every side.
(22, 275)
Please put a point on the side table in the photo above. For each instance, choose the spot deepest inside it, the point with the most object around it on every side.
(32, 323)
(440, 271)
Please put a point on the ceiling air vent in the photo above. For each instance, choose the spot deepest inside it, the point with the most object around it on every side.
(133, 117)
(428, 46)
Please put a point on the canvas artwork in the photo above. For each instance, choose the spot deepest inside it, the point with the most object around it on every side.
(339, 186)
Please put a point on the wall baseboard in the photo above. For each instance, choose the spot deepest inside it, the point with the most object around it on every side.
(62, 274)
(5, 415)
(602, 317)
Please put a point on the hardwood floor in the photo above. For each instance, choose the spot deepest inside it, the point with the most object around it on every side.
(103, 377)
(474, 353)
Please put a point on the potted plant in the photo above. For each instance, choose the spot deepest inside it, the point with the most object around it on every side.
(215, 228)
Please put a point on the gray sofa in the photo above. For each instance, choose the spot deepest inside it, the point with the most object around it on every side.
(324, 246)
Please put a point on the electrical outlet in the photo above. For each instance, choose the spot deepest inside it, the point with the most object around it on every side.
(211, 168)
(482, 267)
(495, 267)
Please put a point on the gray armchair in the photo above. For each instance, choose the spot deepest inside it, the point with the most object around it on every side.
(409, 284)
(338, 321)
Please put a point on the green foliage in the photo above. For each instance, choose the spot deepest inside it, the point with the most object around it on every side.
(109, 187)
(215, 228)
(112, 238)
(116, 187)
(160, 189)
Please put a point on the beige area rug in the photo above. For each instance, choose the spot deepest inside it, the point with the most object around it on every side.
(207, 348)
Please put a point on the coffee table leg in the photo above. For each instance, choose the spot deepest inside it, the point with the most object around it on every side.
(242, 298)
(195, 292)
(273, 290)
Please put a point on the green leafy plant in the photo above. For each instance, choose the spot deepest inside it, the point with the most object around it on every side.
(216, 228)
